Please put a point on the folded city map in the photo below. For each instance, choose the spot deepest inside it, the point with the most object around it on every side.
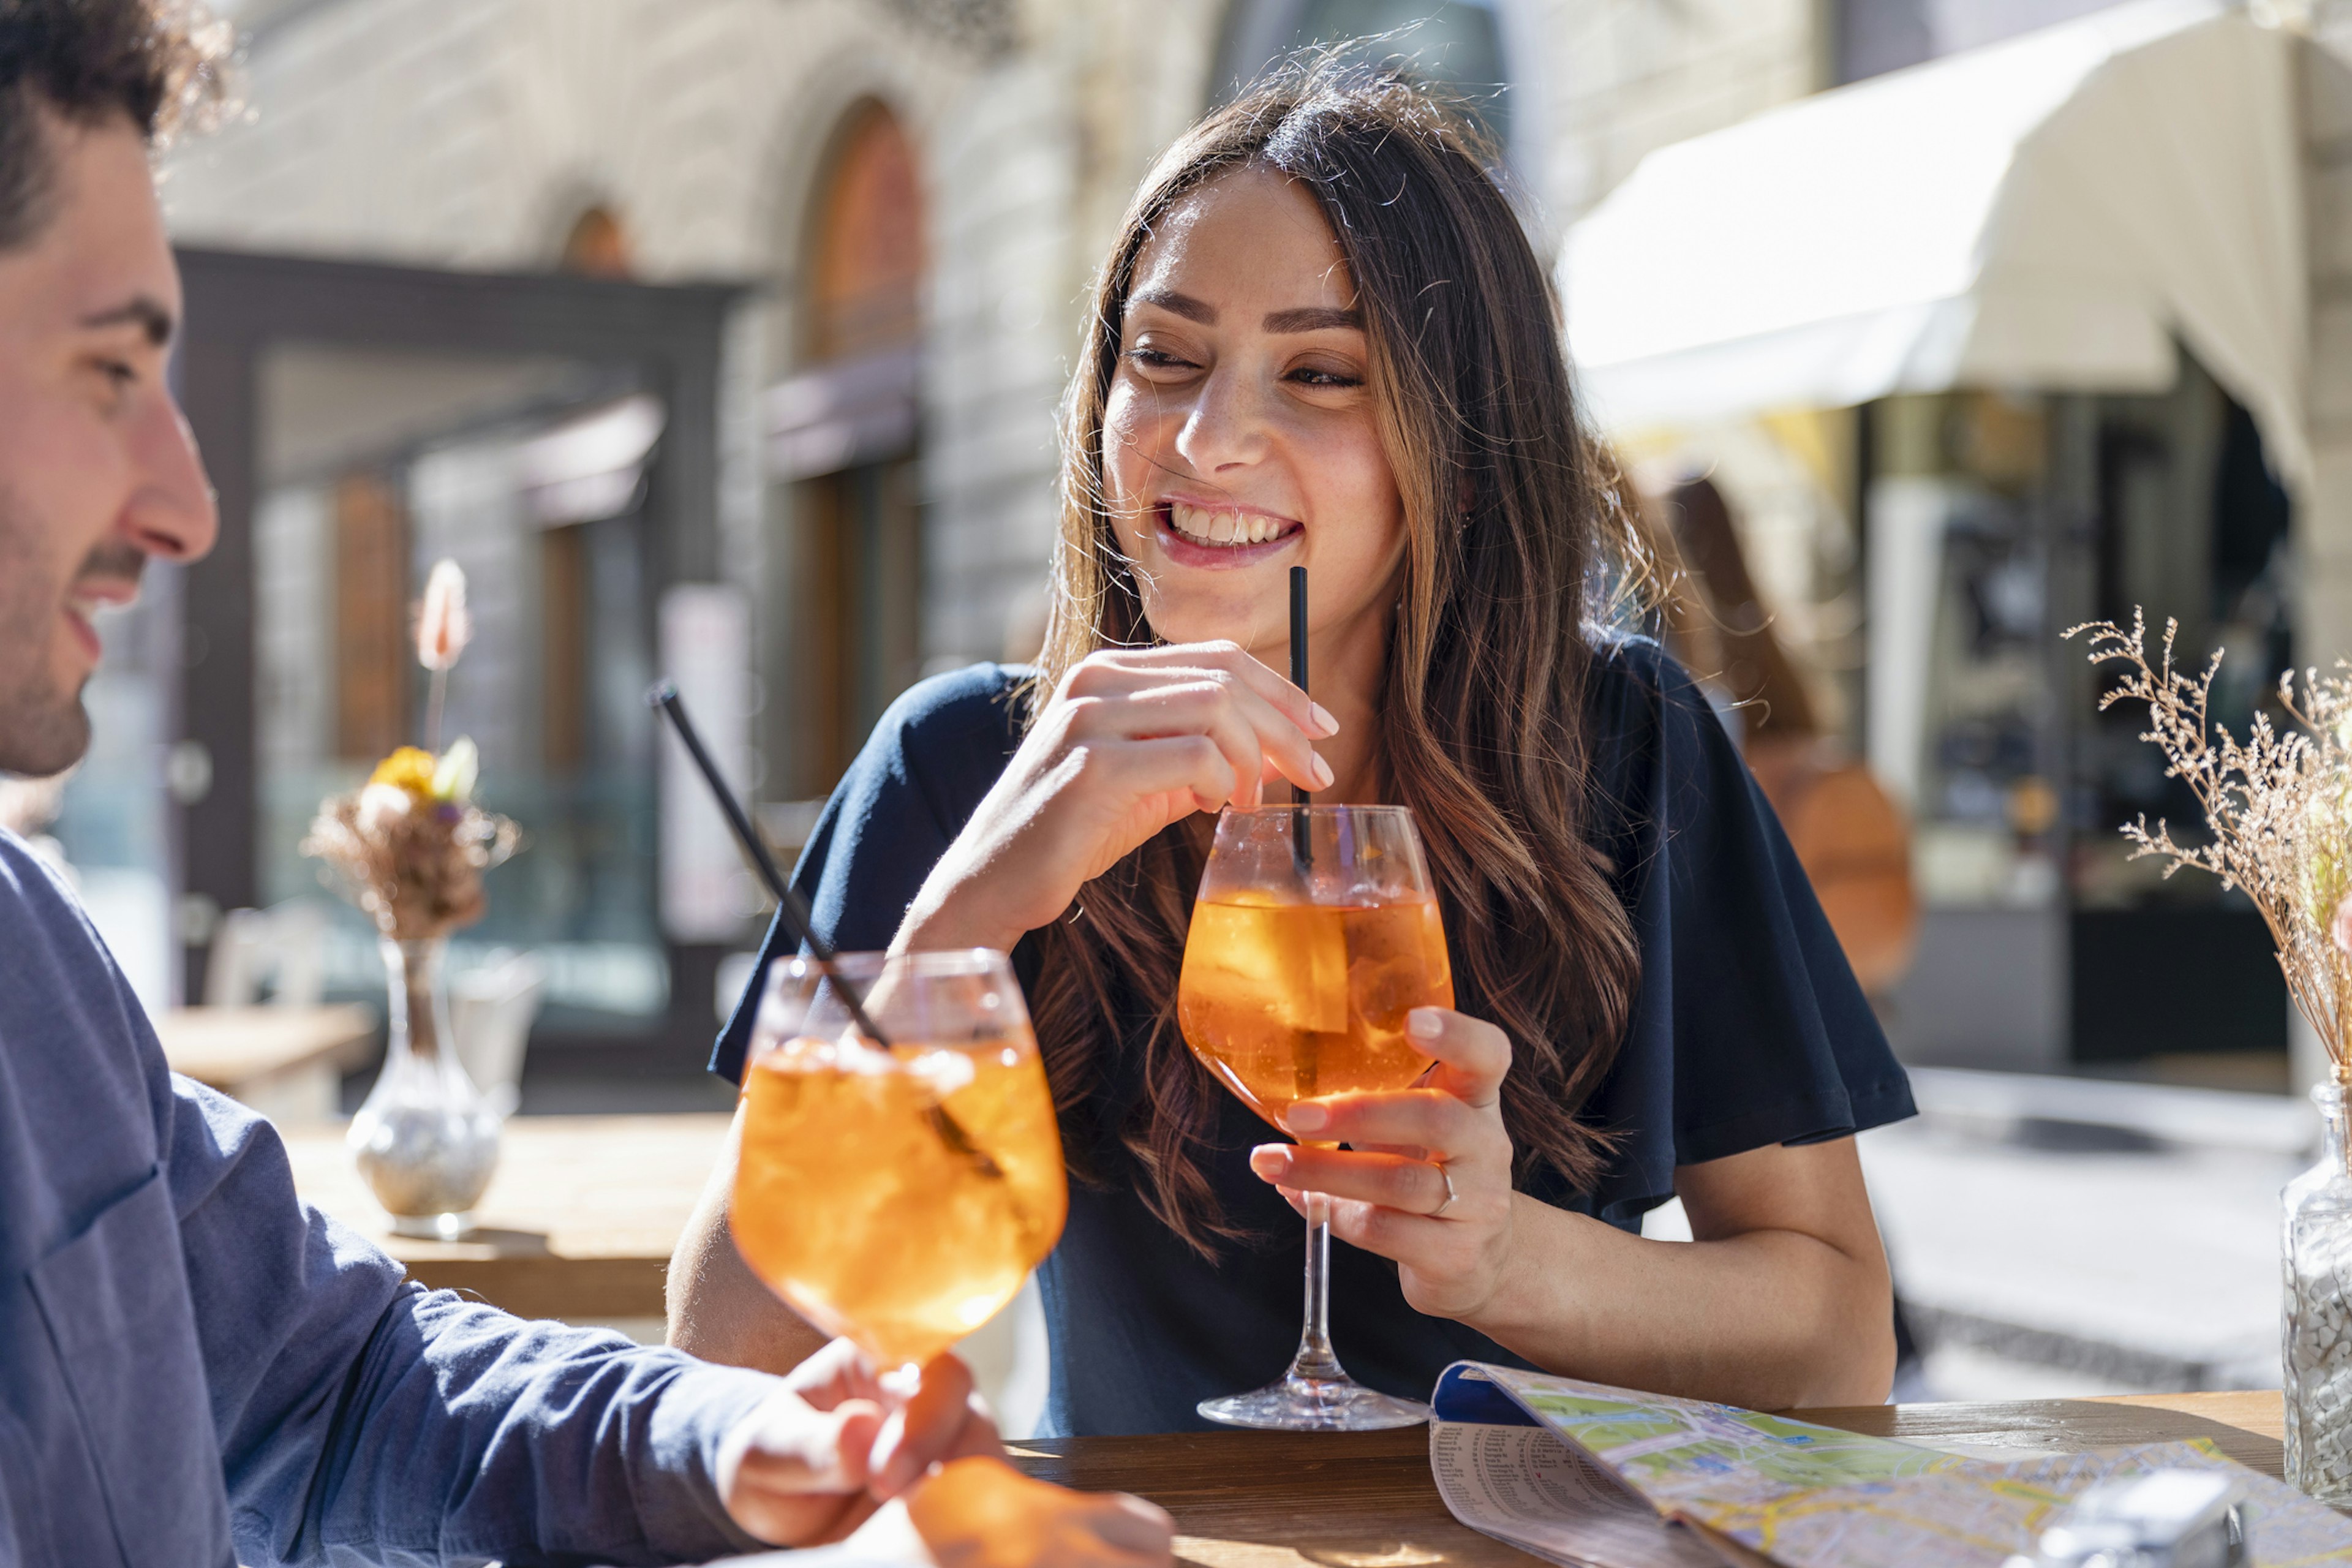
(1595, 1477)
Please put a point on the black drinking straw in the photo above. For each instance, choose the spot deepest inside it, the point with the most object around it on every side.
(795, 915)
(1301, 841)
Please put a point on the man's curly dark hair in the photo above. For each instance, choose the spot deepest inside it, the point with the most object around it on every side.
(160, 64)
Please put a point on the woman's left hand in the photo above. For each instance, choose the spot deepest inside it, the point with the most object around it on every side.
(1426, 1179)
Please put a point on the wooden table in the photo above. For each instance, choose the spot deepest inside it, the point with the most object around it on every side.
(285, 1062)
(1279, 1500)
(578, 1222)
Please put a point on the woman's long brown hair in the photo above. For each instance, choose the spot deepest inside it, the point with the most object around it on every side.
(1512, 532)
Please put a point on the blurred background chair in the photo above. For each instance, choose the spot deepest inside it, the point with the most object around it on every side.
(265, 1034)
(276, 955)
(491, 1010)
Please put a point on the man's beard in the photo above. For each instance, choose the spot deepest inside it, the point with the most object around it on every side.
(43, 730)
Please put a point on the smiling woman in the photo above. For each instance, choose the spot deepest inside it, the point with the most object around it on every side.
(1323, 340)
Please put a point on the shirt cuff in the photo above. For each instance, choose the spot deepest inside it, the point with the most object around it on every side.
(691, 1420)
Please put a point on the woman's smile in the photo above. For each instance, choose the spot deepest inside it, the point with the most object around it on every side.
(1220, 535)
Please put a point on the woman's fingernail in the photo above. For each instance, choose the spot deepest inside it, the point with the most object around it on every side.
(1323, 774)
(1307, 1118)
(1271, 1161)
(1423, 1023)
(1324, 722)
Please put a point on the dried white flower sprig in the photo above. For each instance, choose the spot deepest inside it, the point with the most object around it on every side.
(443, 630)
(2279, 806)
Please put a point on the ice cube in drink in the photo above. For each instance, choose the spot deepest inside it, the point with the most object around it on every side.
(1288, 1000)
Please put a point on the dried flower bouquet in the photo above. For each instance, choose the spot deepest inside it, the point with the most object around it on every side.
(410, 845)
(2279, 806)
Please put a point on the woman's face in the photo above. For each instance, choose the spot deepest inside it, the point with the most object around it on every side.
(1240, 437)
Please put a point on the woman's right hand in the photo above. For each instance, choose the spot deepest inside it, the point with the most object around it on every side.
(1132, 740)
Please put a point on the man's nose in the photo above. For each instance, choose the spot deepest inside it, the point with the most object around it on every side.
(1226, 426)
(172, 513)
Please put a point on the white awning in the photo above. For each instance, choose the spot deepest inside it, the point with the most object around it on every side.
(2047, 212)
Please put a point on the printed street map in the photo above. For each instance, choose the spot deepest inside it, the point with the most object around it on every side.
(1813, 1497)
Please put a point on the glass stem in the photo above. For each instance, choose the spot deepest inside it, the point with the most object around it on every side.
(1315, 1359)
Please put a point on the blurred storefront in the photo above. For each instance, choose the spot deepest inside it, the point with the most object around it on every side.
(2052, 297)
(556, 435)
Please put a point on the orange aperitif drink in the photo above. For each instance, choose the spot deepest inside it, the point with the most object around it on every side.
(1286, 1000)
(1315, 933)
(899, 1194)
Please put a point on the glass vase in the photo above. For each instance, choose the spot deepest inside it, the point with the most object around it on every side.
(2316, 1315)
(426, 1142)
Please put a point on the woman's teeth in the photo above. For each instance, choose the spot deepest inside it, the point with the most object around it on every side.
(1205, 527)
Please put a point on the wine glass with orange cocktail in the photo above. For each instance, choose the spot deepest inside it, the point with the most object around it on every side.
(1314, 934)
(900, 1170)
(901, 1173)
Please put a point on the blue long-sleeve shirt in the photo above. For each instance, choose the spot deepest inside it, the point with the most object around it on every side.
(196, 1368)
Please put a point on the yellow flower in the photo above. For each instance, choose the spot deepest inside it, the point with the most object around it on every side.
(411, 768)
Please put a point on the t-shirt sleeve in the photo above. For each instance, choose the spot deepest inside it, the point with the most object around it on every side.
(930, 759)
(1748, 1028)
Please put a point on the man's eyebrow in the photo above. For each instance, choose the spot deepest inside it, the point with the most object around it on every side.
(1313, 319)
(1183, 305)
(140, 310)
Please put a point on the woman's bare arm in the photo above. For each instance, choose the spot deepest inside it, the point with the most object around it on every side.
(1781, 1297)
(718, 1308)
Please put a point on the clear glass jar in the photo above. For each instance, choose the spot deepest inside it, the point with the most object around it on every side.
(426, 1142)
(2316, 1318)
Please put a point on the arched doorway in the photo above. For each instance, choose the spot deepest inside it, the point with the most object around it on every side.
(843, 432)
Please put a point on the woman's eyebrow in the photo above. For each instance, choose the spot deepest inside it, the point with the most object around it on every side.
(1183, 305)
(1313, 319)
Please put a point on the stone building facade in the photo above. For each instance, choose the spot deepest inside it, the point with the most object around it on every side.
(474, 133)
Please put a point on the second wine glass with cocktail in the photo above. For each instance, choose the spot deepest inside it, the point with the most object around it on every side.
(1315, 933)
(896, 1193)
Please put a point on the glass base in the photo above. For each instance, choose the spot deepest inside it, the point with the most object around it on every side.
(432, 1226)
(1300, 1404)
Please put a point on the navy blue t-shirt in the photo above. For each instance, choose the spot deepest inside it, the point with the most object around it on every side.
(1748, 1030)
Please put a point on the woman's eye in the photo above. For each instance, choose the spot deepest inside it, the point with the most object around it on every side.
(120, 375)
(1157, 359)
(1313, 376)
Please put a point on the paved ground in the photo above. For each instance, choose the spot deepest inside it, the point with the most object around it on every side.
(2129, 1243)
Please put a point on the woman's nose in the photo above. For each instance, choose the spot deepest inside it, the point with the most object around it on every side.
(1226, 426)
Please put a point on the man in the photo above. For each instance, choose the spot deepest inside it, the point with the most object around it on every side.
(195, 1368)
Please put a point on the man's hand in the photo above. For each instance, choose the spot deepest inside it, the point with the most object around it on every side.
(943, 1419)
(814, 1461)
